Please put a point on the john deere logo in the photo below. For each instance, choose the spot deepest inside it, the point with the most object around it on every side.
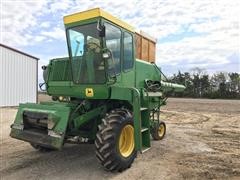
(89, 92)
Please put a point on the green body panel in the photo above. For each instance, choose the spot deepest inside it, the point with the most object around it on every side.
(72, 90)
(145, 70)
(59, 82)
(59, 112)
(80, 120)
(132, 95)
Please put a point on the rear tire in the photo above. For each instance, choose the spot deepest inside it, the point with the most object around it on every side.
(41, 148)
(159, 130)
(115, 148)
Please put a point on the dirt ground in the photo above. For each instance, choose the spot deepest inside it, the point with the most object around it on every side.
(202, 142)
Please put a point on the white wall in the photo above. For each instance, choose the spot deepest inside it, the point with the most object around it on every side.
(18, 78)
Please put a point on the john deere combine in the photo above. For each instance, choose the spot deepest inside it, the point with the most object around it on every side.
(102, 92)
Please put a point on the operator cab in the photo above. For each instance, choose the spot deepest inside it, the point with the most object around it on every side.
(100, 47)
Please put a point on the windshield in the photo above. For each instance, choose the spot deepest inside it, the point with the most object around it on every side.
(85, 54)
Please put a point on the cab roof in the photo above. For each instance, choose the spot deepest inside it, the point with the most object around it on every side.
(93, 13)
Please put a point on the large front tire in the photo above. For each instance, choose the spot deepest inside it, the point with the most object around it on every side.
(115, 148)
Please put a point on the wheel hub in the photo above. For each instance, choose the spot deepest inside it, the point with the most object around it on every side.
(161, 130)
(126, 141)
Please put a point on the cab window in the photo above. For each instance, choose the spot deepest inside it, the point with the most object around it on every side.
(113, 42)
(127, 51)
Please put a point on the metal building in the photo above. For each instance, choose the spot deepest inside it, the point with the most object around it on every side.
(18, 77)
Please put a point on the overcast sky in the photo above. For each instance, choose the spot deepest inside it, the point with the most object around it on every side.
(190, 33)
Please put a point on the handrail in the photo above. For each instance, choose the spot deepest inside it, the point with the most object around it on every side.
(160, 70)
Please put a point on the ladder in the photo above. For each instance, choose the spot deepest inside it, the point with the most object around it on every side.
(145, 122)
(145, 118)
(141, 111)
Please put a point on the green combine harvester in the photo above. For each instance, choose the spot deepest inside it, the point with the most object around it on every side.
(102, 93)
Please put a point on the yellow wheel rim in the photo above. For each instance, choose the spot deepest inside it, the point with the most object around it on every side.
(161, 130)
(126, 141)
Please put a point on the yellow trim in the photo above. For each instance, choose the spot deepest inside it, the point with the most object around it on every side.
(93, 13)
(161, 130)
(126, 141)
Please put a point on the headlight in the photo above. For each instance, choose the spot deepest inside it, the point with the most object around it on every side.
(60, 98)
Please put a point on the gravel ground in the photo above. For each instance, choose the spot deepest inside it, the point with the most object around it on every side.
(202, 142)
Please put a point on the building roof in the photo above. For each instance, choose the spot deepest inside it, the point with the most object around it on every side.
(23, 53)
(93, 13)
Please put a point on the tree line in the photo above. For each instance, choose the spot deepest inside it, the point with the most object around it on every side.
(199, 84)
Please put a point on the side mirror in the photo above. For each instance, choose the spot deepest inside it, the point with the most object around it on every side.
(106, 55)
(101, 31)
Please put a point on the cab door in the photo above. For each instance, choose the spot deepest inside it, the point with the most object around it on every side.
(113, 42)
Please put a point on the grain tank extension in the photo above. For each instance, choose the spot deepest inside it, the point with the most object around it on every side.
(107, 92)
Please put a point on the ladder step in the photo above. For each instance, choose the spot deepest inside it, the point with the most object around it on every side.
(143, 109)
(144, 149)
(144, 129)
